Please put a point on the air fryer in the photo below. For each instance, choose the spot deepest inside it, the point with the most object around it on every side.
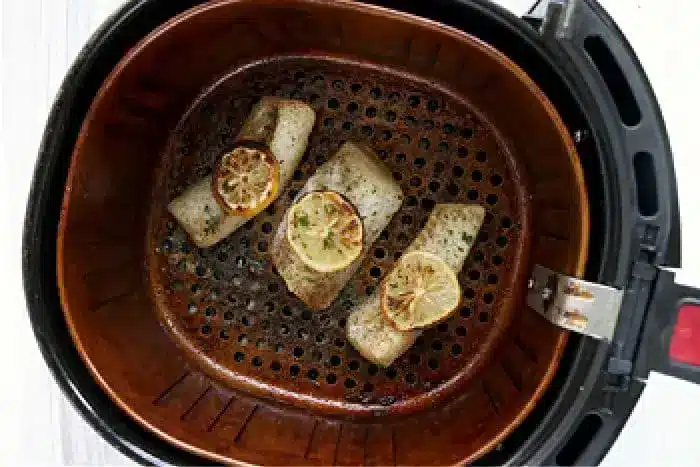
(588, 181)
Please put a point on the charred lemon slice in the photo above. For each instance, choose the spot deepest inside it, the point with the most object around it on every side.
(247, 180)
(420, 291)
(325, 231)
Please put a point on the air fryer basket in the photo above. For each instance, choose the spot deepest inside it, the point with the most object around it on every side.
(252, 375)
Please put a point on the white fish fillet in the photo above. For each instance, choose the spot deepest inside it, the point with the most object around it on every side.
(449, 233)
(285, 125)
(356, 173)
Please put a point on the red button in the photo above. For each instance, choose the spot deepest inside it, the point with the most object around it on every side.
(685, 343)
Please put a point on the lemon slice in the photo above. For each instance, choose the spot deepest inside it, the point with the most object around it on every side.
(325, 231)
(247, 180)
(420, 291)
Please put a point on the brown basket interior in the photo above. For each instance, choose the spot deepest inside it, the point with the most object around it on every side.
(223, 361)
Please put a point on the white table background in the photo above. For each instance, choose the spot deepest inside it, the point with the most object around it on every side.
(38, 41)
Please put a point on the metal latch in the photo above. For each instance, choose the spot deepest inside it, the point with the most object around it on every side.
(574, 304)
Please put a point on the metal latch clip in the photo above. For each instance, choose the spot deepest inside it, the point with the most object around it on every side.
(574, 304)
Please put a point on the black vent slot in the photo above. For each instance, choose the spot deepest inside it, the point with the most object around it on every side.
(579, 441)
(615, 80)
(645, 176)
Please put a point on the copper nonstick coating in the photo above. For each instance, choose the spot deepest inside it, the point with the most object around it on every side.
(206, 347)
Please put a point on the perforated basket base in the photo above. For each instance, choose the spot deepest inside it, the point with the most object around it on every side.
(226, 306)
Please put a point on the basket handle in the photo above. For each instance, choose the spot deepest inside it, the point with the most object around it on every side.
(670, 340)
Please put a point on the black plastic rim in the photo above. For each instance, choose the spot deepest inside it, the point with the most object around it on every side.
(539, 439)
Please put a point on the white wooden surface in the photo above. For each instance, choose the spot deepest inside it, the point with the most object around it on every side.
(38, 41)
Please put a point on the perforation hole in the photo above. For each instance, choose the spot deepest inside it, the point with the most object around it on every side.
(427, 204)
(312, 374)
(375, 93)
(257, 361)
(477, 176)
(352, 107)
(433, 364)
(371, 112)
(350, 383)
(461, 331)
(466, 133)
(333, 104)
(414, 101)
(483, 317)
(331, 378)
(294, 370)
(275, 366)
(488, 298)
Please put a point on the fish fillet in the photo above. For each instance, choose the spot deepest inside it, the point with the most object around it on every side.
(356, 173)
(449, 233)
(285, 125)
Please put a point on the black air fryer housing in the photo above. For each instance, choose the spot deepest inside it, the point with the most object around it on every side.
(577, 55)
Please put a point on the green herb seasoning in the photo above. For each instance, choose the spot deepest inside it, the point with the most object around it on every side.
(303, 220)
